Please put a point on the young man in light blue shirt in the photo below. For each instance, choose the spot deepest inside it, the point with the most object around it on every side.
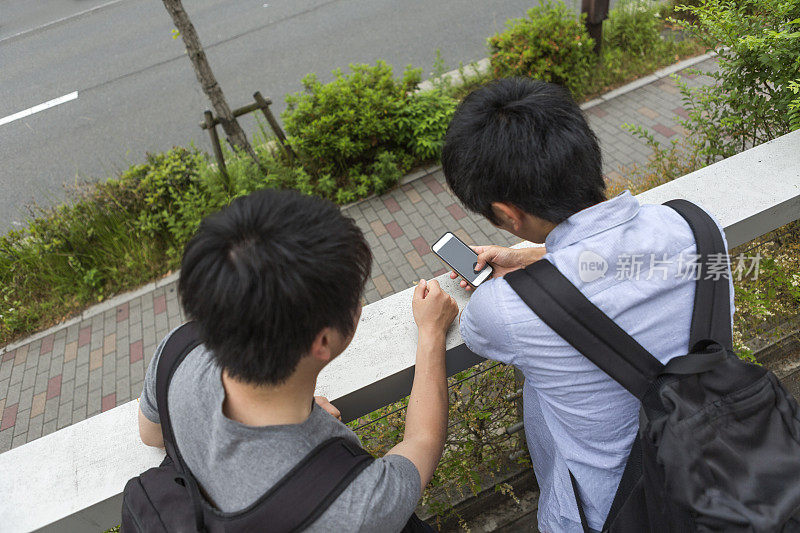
(521, 153)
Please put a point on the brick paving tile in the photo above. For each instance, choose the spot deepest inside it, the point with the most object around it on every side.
(96, 359)
(123, 312)
(391, 204)
(91, 365)
(383, 285)
(421, 246)
(598, 111)
(394, 230)
(666, 131)
(47, 345)
(649, 113)
(413, 195)
(54, 387)
(159, 304)
(434, 186)
(84, 336)
(681, 112)
(109, 401)
(70, 351)
(377, 228)
(22, 355)
(136, 352)
(414, 260)
(9, 417)
(456, 211)
(37, 407)
(110, 343)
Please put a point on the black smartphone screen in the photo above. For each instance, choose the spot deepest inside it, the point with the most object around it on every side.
(461, 257)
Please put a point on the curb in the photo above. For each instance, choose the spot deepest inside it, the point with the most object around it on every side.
(453, 75)
(94, 311)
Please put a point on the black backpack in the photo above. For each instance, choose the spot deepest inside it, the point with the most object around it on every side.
(167, 498)
(718, 446)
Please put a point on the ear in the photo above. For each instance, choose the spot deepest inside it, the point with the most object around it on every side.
(510, 216)
(322, 349)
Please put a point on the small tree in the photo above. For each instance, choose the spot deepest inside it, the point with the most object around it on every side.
(205, 76)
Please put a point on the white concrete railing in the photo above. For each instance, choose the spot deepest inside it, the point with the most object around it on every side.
(72, 480)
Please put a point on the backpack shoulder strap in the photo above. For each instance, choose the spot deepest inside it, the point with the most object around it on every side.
(185, 339)
(578, 321)
(307, 490)
(711, 318)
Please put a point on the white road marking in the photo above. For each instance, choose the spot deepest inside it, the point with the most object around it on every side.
(62, 19)
(41, 107)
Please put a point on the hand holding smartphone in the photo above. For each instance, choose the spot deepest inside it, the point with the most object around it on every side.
(461, 258)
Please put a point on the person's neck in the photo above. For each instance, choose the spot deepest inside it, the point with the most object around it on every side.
(269, 405)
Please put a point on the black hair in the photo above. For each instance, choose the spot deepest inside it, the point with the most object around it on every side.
(266, 274)
(523, 142)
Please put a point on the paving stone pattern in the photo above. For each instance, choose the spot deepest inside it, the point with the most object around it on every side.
(99, 363)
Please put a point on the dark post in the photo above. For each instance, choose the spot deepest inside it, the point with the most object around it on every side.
(596, 12)
(263, 104)
(211, 126)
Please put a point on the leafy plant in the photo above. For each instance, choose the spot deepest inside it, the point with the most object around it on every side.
(755, 98)
(634, 26)
(170, 198)
(550, 44)
(342, 124)
(422, 123)
(345, 130)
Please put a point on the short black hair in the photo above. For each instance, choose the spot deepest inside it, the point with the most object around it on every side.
(523, 142)
(266, 274)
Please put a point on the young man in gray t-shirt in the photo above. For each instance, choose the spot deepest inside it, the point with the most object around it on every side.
(274, 282)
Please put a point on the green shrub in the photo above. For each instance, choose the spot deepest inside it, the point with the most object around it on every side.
(343, 123)
(359, 133)
(550, 44)
(755, 98)
(422, 121)
(633, 26)
(168, 196)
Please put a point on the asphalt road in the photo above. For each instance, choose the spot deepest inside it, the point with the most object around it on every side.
(136, 90)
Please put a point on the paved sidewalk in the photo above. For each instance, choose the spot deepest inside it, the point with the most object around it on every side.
(92, 364)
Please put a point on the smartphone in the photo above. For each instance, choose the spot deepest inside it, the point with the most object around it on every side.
(461, 258)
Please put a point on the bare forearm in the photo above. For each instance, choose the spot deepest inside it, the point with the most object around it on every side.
(427, 406)
(426, 417)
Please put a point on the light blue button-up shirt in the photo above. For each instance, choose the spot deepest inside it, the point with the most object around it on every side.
(633, 262)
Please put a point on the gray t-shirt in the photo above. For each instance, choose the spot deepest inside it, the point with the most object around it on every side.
(236, 464)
